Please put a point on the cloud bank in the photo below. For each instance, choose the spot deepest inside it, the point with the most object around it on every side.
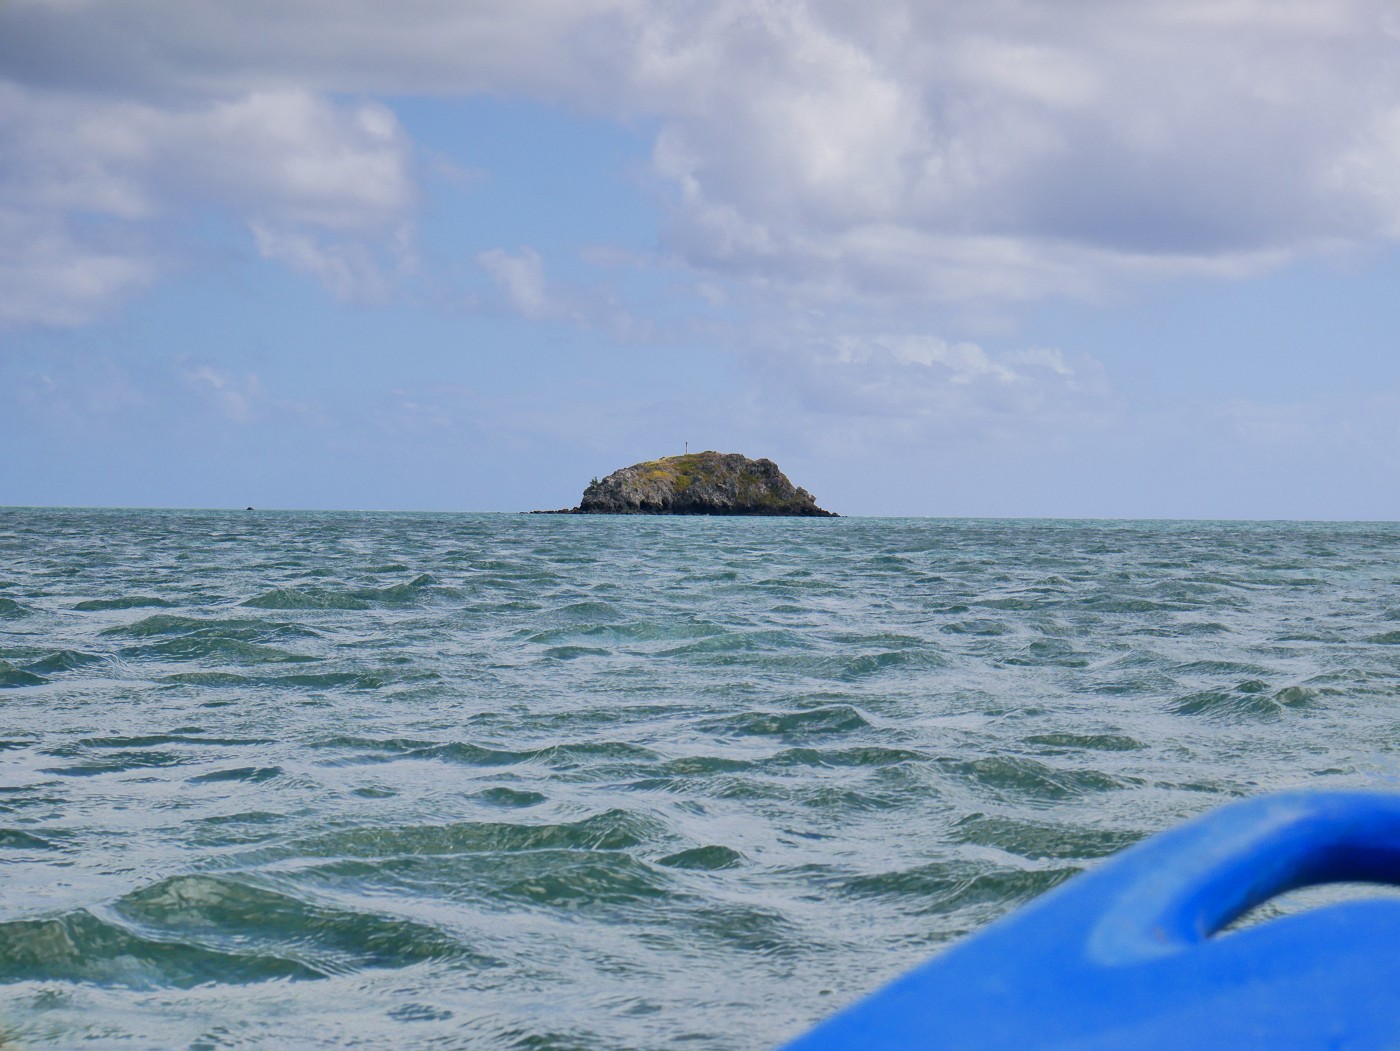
(900, 153)
(903, 151)
(98, 192)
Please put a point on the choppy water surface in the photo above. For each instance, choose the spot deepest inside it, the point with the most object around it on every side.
(276, 779)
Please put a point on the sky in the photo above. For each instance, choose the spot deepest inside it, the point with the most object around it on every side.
(1080, 259)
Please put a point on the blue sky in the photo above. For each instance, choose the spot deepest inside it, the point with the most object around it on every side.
(1083, 260)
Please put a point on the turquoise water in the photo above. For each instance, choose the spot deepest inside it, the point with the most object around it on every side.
(504, 781)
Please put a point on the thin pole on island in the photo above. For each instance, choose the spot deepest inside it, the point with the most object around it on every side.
(687, 448)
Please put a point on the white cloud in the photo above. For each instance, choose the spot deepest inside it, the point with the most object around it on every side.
(1052, 76)
(1363, 428)
(340, 168)
(349, 271)
(996, 152)
(52, 275)
(923, 387)
(70, 389)
(325, 187)
(894, 151)
(235, 397)
(232, 394)
(520, 277)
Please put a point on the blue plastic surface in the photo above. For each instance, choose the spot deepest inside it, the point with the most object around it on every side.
(1127, 955)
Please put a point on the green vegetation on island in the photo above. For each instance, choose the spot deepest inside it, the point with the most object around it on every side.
(706, 483)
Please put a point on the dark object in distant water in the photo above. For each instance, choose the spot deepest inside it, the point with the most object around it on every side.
(247, 509)
(707, 483)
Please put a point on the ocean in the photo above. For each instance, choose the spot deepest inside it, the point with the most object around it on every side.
(300, 779)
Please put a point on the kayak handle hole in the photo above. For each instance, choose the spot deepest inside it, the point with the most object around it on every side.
(1304, 899)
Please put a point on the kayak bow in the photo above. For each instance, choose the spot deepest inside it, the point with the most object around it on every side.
(1130, 954)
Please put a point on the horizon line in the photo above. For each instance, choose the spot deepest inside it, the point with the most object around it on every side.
(460, 511)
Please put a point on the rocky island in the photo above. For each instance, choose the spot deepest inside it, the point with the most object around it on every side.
(708, 483)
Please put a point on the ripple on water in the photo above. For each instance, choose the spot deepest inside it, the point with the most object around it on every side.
(12, 677)
(19, 839)
(864, 757)
(978, 626)
(1019, 778)
(948, 887)
(306, 598)
(730, 643)
(59, 661)
(708, 858)
(215, 648)
(1037, 840)
(611, 830)
(1095, 742)
(1252, 698)
(1056, 653)
(578, 880)
(249, 774)
(95, 605)
(511, 798)
(235, 629)
(867, 665)
(799, 725)
(81, 947)
(227, 912)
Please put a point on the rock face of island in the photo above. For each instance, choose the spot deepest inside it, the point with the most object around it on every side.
(707, 483)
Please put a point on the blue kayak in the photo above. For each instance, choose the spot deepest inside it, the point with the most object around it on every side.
(1130, 954)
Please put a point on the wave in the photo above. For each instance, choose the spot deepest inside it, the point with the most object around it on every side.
(190, 930)
(81, 947)
(708, 859)
(19, 839)
(245, 629)
(1038, 840)
(1022, 778)
(1093, 742)
(859, 757)
(291, 598)
(64, 660)
(611, 830)
(1252, 698)
(12, 677)
(569, 653)
(94, 605)
(247, 774)
(814, 722)
(941, 887)
(233, 651)
(510, 798)
(867, 665)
